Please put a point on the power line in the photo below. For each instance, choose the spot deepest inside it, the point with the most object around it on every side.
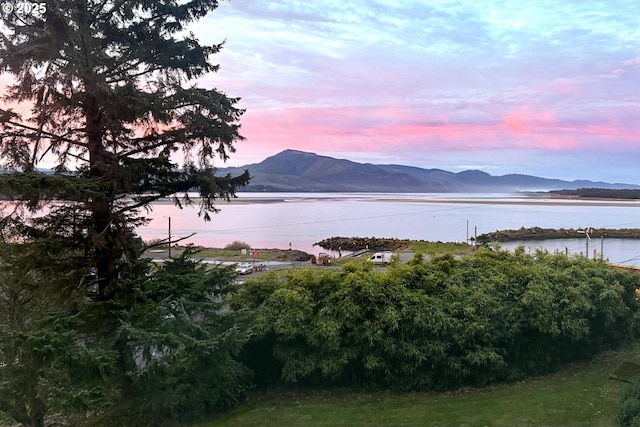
(327, 221)
(629, 260)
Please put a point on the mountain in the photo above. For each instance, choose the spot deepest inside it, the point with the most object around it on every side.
(299, 171)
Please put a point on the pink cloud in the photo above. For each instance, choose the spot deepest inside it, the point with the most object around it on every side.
(387, 129)
(523, 122)
(516, 124)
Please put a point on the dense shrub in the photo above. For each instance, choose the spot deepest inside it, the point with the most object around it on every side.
(629, 409)
(237, 245)
(185, 344)
(440, 324)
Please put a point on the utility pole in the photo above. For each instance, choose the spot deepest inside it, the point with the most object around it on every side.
(169, 237)
(587, 234)
(587, 250)
(291, 255)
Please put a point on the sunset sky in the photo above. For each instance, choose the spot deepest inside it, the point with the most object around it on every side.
(547, 88)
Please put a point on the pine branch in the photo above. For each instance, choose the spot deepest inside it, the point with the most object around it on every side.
(42, 132)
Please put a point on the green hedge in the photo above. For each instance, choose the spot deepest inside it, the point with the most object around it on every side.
(436, 324)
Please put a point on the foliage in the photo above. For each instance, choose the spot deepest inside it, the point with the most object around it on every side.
(174, 346)
(442, 324)
(48, 362)
(109, 87)
(237, 245)
(105, 91)
(629, 409)
(185, 342)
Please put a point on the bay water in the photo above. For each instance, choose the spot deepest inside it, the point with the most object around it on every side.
(298, 220)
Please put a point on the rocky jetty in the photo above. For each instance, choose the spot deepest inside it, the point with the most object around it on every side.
(537, 233)
(522, 234)
(358, 243)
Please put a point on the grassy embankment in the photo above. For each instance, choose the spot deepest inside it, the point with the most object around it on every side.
(580, 395)
(430, 248)
(440, 248)
(231, 254)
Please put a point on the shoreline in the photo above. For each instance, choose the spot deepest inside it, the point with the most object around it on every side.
(533, 202)
(523, 199)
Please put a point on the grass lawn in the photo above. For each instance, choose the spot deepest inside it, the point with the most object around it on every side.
(580, 395)
(235, 255)
(225, 254)
(441, 248)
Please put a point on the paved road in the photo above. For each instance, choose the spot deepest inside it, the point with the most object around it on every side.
(404, 257)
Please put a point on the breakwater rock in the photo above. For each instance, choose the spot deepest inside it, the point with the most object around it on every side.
(537, 233)
(357, 243)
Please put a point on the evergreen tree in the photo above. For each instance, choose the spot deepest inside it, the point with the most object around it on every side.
(109, 90)
(113, 100)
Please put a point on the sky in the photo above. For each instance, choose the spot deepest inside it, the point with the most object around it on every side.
(545, 88)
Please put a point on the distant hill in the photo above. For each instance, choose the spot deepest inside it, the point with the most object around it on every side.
(299, 171)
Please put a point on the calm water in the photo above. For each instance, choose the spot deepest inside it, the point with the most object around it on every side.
(275, 220)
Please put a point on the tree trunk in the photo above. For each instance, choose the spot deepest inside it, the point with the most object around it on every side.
(101, 232)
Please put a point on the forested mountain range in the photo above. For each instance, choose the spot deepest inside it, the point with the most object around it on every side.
(298, 171)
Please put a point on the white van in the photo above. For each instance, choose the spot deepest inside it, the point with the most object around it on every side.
(381, 257)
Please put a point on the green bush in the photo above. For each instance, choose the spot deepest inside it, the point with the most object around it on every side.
(629, 409)
(237, 245)
(492, 316)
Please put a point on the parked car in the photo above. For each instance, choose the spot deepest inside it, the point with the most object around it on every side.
(244, 269)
